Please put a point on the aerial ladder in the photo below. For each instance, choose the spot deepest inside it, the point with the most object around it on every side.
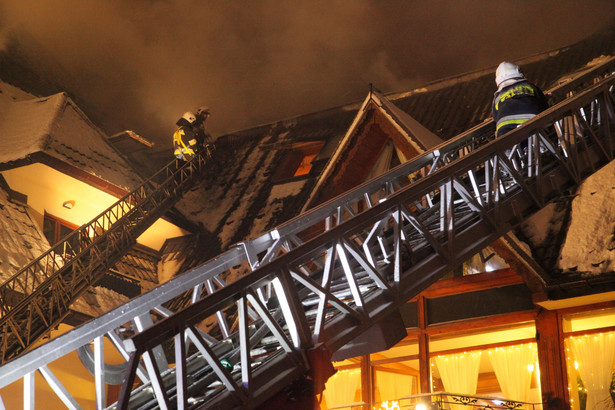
(328, 275)
(37, 297)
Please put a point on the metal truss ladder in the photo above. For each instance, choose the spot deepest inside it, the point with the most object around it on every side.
(330, 274)
(37, 297)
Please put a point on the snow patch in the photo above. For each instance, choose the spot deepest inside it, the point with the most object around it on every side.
(539, 225)
(98, 301)
(168, 268)
(275, 204)
(589, 246)
(10, 93)
(284, 190)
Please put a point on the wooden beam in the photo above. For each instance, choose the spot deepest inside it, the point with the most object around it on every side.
(509, 248)
(480, 323)
(552, 360)
(423, 338)
(367, 380)
(472, 283)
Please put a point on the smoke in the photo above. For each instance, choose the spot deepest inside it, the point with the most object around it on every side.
(141, 64)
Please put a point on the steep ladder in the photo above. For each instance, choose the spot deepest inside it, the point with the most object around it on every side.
(328, 275)
(37, 297)
(364, 265)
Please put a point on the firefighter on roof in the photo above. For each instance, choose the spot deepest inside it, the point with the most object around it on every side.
(184, 139)
(202, 114)
(516, 99)
(203, 138)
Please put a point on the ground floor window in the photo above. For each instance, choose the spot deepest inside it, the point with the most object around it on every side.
(390, 375)
(590, 359)
(499, 362)
(507, 373)
(343, 389)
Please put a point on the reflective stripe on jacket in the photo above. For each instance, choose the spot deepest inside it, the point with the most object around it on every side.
(515, 104)
(184, 143)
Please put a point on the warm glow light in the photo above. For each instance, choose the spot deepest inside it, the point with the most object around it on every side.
(69, 204)
(530, 367)
(421, 406)
(393, 406)
(576, 365)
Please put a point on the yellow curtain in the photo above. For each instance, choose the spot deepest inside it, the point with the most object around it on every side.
(513, 368)
(594, 355)
(341, 388)
(459, 373)
(393, 386)
(573, 388)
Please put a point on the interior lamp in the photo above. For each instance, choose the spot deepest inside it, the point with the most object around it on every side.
(69, 204)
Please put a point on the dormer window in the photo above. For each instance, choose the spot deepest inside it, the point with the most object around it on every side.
(297, 160)
(306, 165)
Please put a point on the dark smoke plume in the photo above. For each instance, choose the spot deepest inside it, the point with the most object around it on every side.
(140, 64)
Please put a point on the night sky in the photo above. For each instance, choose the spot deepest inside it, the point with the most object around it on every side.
(141, 63)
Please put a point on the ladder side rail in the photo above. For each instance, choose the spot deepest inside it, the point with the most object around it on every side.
(593, 74)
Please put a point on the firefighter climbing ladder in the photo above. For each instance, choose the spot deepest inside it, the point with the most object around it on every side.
(331, 273)
(37, 298)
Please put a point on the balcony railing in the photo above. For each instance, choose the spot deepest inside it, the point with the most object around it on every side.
(443, 401)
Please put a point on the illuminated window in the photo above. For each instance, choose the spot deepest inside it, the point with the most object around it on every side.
(305, 166)
(501, 363)
(590, 358)
(297, 160)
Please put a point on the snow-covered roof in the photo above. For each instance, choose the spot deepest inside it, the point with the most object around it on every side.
(21, 238)
(240, 196)
(55, 126)
(580, 228)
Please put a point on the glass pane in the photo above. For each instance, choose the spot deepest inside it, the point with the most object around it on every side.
(591, 368)
(506, 373)
(395, 382)
(508, 334)
(342, 389)
(64, 231)
(49, 227)
(589, 320)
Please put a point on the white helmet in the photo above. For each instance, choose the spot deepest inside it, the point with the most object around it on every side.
(203, 109)
(507, 71)
(190, 117)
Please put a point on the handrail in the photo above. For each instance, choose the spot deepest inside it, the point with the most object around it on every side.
(442, 400)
